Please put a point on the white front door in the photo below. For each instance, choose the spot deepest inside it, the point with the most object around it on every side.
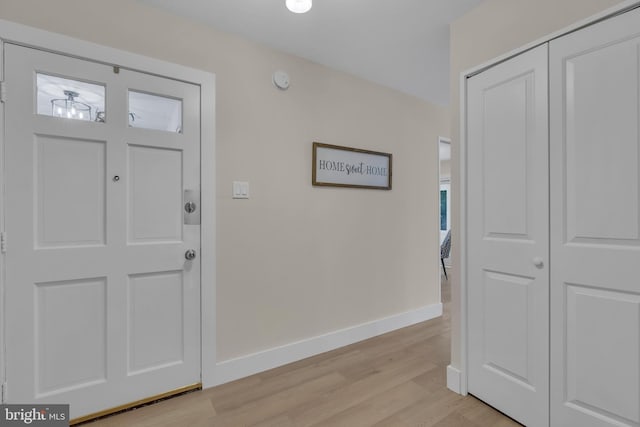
(595, 226)
(508, 276)
(102, 308)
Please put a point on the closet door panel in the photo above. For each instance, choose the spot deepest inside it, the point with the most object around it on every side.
(595, 240)
(601, 145)
(508, 277)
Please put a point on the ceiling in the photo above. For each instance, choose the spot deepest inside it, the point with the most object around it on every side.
(402, 44)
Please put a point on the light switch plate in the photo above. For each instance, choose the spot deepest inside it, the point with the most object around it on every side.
(240, 190)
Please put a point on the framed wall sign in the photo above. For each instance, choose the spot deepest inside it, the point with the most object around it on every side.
(337, 166)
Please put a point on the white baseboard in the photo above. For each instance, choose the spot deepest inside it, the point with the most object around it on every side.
(454, 378)
(233, 369)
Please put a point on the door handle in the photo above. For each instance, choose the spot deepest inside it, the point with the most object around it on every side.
(190, 254)
(538, 262)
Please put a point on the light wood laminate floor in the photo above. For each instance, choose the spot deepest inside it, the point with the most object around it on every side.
(395, 380)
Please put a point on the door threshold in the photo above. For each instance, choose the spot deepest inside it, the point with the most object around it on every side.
(136, 404)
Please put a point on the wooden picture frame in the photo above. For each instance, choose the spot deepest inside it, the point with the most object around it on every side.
(337, 166)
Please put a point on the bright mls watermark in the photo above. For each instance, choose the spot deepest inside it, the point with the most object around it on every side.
(34, 415)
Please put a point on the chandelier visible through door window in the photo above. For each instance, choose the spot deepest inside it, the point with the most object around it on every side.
(70, 108)
(68, 98)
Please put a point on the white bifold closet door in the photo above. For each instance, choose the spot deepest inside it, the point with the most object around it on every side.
(553, 268)
(508, 232)
(595, 225)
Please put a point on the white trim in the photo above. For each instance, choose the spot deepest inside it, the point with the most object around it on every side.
(462, 197)
(244, 366)
(44, 40)
(3, 349)
(607, 13)
(208, 301)
(454, 379)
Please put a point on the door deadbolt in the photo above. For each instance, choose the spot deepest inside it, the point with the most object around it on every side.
(191, 213)
(190, 254)
(190, 207)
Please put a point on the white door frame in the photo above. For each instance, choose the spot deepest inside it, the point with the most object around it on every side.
(44, 40)
(457, 375)
(2, 228)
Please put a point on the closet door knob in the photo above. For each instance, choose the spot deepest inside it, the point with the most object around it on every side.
(538, 262)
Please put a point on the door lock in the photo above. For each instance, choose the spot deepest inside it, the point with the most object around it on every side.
(191, 214)
(190, 207)
(190, 254)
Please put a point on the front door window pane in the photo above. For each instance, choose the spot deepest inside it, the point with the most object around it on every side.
(155, 112)
(70, 99)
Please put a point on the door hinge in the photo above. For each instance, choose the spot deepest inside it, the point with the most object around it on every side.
(3, 242)
(3, 91)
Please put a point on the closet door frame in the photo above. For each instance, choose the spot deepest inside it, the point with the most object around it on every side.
(457, 375)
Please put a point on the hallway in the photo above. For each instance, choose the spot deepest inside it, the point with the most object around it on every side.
(395, 380)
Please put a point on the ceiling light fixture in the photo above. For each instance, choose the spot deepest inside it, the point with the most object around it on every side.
(299, 6)
(70, 108)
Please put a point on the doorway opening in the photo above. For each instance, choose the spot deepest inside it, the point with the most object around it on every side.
(444, 201)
